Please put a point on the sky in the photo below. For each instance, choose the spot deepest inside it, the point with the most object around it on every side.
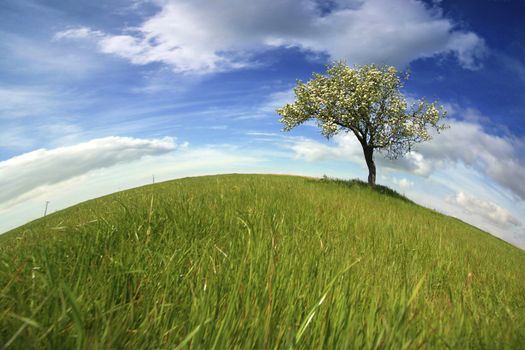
(101, 96)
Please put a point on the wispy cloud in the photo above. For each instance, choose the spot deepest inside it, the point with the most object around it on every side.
(17, 102)
(33, 57)
(277, 100)
(78, 33)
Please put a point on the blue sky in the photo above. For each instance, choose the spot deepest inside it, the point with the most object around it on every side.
(99, 96)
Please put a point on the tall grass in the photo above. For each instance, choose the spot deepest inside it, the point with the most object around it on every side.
(254, 261)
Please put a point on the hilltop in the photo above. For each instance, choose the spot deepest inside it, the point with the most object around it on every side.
(258, 261)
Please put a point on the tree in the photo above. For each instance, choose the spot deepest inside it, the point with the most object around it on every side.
(367, 101)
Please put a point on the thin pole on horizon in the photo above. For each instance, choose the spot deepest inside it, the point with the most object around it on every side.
(152, 179)
(45, 210)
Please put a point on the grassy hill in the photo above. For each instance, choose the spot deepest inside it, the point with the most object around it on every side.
(258, 261)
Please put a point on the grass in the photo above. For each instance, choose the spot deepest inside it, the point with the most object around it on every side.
(258, 261)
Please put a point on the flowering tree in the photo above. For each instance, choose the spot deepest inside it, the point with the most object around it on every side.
(367, 101)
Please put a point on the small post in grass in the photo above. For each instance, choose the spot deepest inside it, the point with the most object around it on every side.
(45, 210)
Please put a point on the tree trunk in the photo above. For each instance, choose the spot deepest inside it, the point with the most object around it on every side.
(369, 157)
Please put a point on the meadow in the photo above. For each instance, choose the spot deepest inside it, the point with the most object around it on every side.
(258, 261)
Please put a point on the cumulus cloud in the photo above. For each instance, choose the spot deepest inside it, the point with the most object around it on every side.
(403, 183)
(312, 150)
(22, 174)
(498, 157)
(202, 36)
(484, 209)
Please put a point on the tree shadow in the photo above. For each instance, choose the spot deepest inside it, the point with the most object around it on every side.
(384, 190)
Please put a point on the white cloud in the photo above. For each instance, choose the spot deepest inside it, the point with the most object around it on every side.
(403, 183)
(202, 36)
(78, 33)
(312, 150)
(22, 174)
(468, 48)
(485, 209)
(498, 157)
(268, 134)
(413, 162)
(277, 100)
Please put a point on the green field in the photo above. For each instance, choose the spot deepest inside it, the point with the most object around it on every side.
(258, 261)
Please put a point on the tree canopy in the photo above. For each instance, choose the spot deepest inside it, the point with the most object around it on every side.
(367, 101)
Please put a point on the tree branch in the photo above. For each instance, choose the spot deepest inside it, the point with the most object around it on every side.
(358, 133)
